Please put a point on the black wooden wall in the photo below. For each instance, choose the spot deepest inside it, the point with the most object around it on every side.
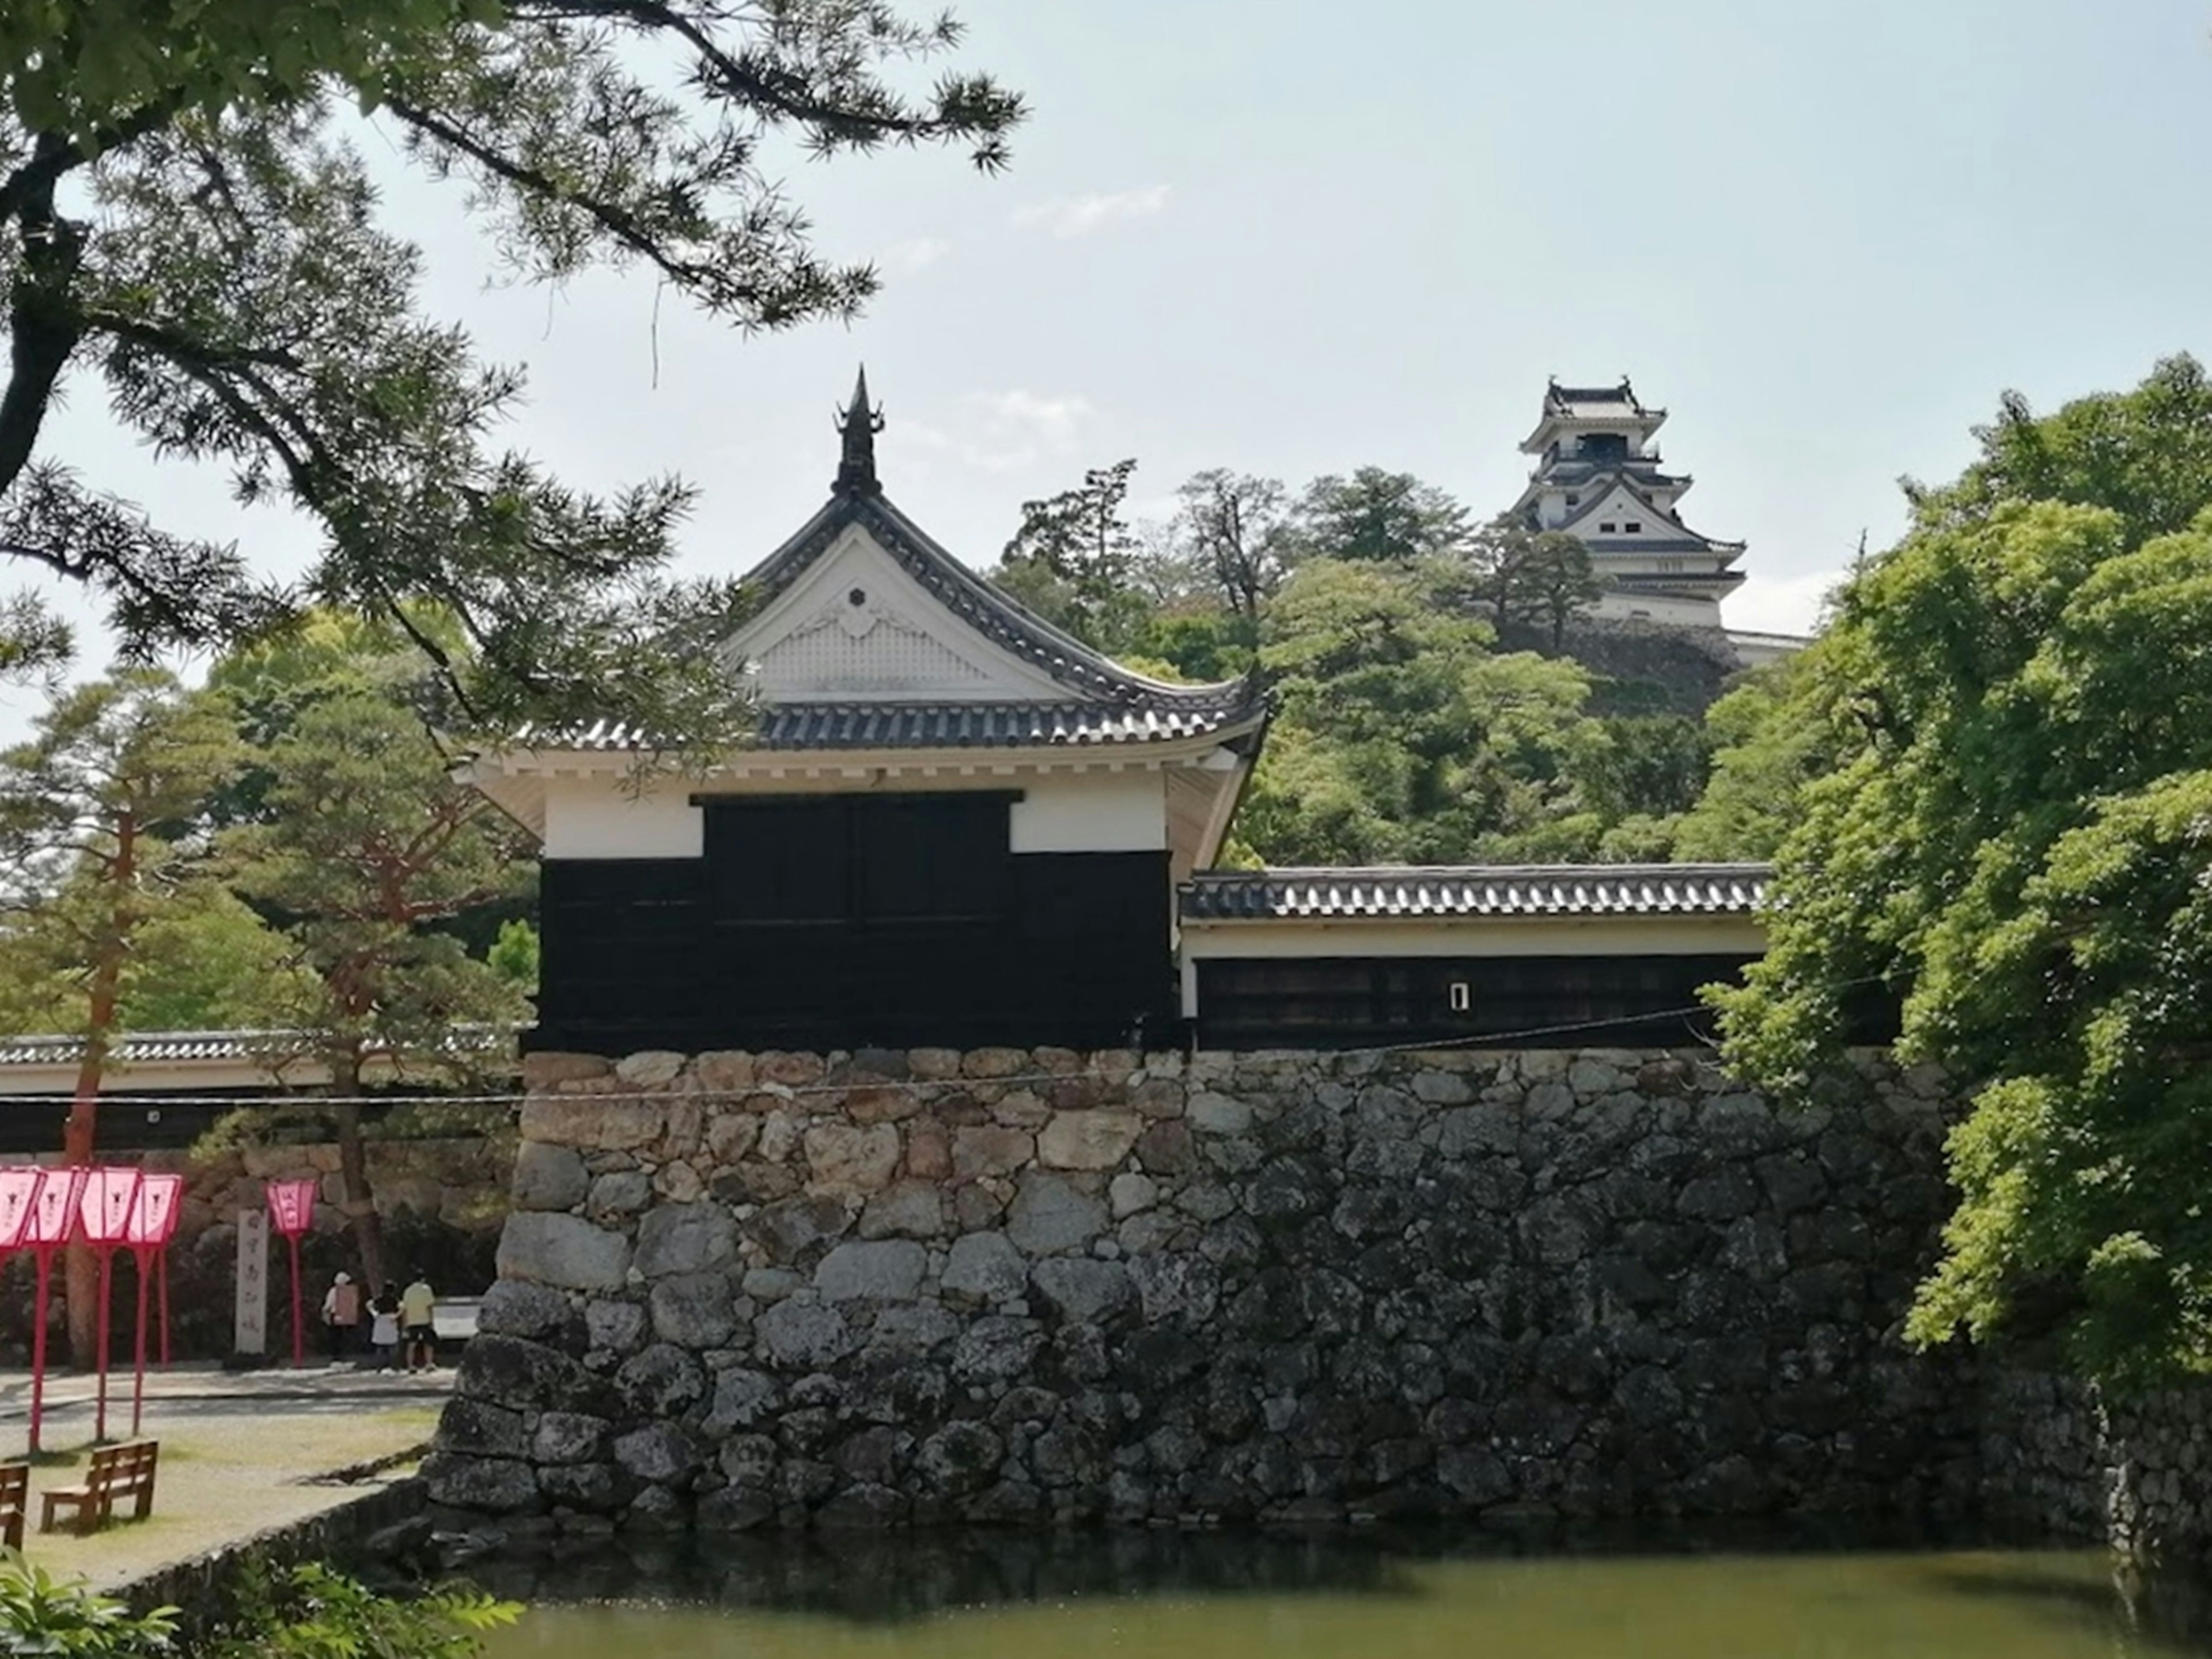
(1560, 1002)
(841, 921)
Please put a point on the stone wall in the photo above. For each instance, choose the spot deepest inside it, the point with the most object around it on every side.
(442, 1202)
(2058, 1455)
(893, 1288)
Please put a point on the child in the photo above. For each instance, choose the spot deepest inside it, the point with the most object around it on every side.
(384, 1327)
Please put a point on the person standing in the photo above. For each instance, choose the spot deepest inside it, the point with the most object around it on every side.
(384, 1327)
(341, 1316)
(417, 1309)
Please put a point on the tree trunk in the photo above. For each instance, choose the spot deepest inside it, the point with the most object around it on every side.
(81, 1271)
(358, 1202)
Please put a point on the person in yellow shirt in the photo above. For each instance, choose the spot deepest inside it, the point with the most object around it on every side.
(417, 1333)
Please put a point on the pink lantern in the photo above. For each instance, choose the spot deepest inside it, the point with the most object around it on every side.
(291, 1209)
(50, 1220)
(105, 1214)
(152, 1222)
(19, 1189)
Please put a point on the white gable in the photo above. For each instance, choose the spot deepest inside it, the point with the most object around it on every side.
(856, 627)
(1620, 508)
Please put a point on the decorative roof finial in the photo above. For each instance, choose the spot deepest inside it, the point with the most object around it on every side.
(856, 466)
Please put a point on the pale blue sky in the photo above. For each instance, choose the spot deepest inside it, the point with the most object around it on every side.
(1290, 237)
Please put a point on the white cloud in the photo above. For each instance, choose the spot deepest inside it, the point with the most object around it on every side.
(1005, 431)
(1079, 215)
(1786, 604)
(909, 257)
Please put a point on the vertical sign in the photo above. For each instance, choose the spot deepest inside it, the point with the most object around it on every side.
(250, 1333)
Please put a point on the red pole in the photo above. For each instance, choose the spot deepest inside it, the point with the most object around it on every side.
(139, 1378)
(298, 1328)
(45, 1264)
(106, 1280)
(162, 1266)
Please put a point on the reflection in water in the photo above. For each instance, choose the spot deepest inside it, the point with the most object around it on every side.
(1211, 1595)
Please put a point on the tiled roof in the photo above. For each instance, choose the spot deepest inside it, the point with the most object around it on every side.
(949, 726)
(1594, 403)
(1409, 891)
(163, 1048)
(1107, 703)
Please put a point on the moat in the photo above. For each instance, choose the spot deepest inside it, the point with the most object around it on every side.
(1165, 1595)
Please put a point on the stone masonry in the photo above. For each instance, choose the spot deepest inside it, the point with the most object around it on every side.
(893, 1288)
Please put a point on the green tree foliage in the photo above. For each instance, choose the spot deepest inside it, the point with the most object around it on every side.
(1074, 561)
(1401, 736)
(1763, 752)
(514, 955)
(190, 233)
(98, 841)
(311, 1611)
(2011, 837)
(1538, 576)
(1376, 515)
(42, 1614)
(369, 847)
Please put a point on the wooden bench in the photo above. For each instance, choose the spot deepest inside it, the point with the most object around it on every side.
(116, 1472)
(15, 1498)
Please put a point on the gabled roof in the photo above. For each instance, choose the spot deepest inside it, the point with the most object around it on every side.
(1688, 540)
(1600, 405)
(1399, 891)
(1094, 681)
(1084, 696)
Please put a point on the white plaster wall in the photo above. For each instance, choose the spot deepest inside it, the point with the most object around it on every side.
(1069, 813)
(597, 819)
(1659, 608)
(1092, 812)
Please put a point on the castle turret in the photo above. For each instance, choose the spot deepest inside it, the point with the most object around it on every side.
(1599, 478)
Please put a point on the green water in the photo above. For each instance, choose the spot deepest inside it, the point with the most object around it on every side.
(867, 1603)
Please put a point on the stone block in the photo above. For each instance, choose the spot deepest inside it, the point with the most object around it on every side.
(1167, 1148)
(933, 1063)
(804, 1336)
(1130, 1192)
(743, 1399)
(614, 1328)
(1083, 1291)
(787, 1229)
(723, 1071)
(592, 1124)
(1050, 1215)
(562, 1250)
(568, 1437)
(660, 1453)
(685, 1238)
(695, 1310)
(847, 1158)
(995, 1062)
(1021, 1109)
(619, 1192)
(678, 1182)
(732, 1136)
(515, 1307)
(886, 1105)
(481, 1429)
(928, 1151)
(888, 1270)
(1218, 1115)
(984, 1268)
(1097, 1140)
(498, 1485)
(793, 1071)
(663, 1381)
(908, 1209)
(990, 1149)
(651, 1068)
(551, 1068)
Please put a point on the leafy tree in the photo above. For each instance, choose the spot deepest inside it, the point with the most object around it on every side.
(1074, 559)
(369, 849)
(188, 223)
(514, 956)
(1377, 516)
(1651, 766)
(1763, 752)
(1542, 576)
(2011, 839)
(1237, 529)
(1402, 736)
(97, 836)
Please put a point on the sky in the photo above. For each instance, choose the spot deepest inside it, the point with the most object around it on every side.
(1292, 238)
